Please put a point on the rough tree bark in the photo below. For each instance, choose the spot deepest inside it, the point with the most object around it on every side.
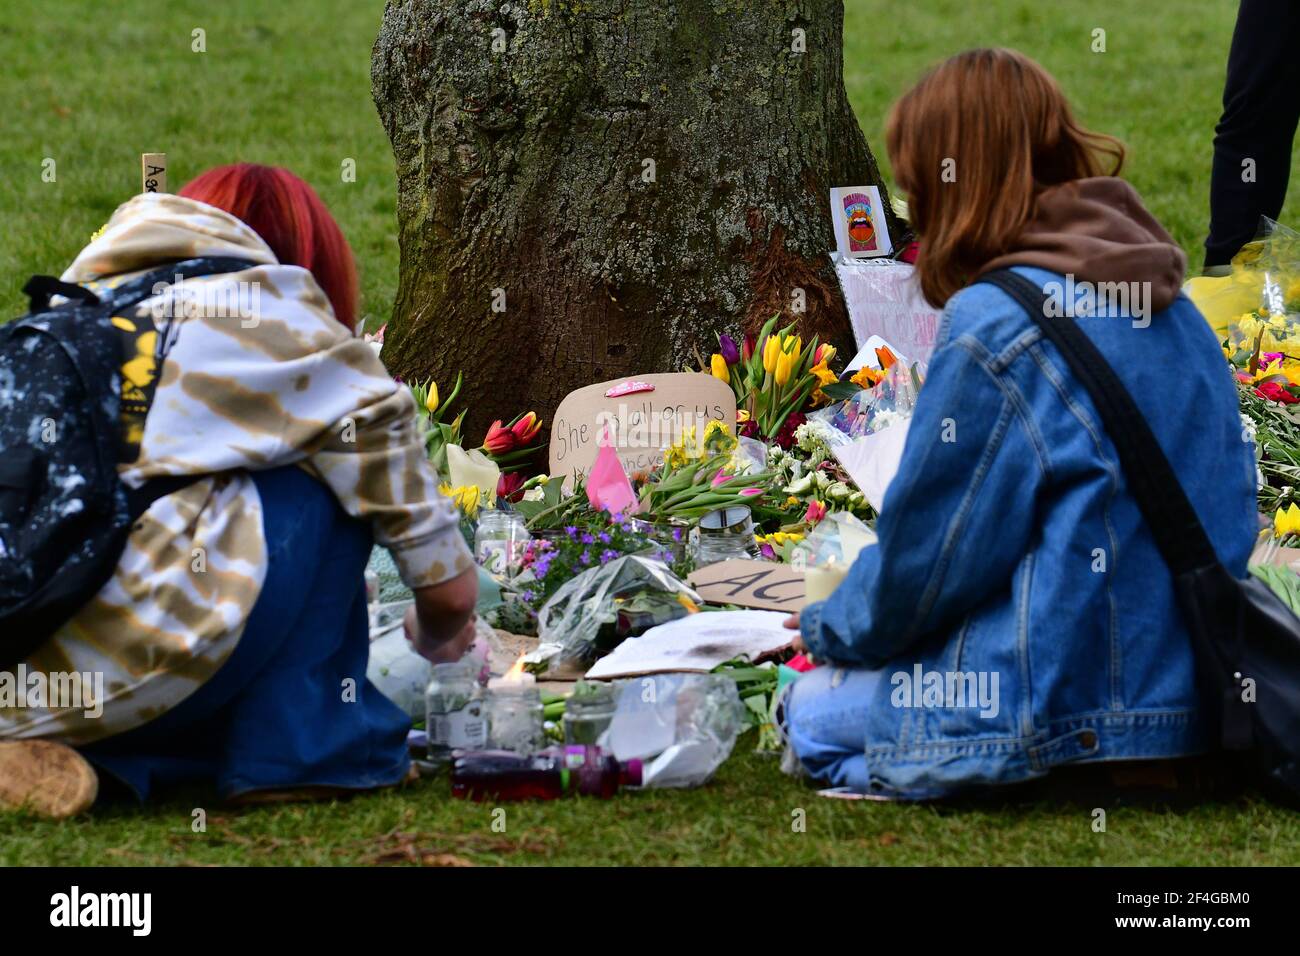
(624, 177)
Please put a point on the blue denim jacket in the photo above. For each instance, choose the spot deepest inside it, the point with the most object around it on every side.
(1011, 551)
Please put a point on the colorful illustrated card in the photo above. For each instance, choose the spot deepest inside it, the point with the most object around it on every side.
(859, 217)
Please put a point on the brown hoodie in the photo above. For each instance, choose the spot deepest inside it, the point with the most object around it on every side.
(1097, 230)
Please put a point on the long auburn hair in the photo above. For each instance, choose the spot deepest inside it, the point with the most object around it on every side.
(972, 145)
(286, 212)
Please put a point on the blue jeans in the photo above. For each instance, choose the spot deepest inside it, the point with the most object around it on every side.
(826, 721)
(278, 713)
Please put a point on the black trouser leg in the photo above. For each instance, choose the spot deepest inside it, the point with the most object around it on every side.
(1261, 106)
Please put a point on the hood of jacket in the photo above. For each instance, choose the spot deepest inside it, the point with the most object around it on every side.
(1097, 230)
(156, 228)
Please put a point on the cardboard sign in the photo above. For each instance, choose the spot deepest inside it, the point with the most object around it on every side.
(884, 299)
(1282, 557)
(758, 584)
(645, 414)
(153, 172)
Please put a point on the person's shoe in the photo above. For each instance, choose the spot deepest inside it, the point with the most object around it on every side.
(46, 778)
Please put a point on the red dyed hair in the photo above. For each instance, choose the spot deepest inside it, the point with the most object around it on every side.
(291, 219)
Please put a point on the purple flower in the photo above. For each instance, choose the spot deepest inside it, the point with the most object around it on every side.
(727, 346)
(585, 557)
(527, 595)
(677, 535)
(608, 555)
(571, 531)
(604, 537)
(542, 565)
(587, 539)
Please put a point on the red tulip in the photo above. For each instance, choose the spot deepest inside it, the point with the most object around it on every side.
(499, 439)
(510, 486)
(816, 511)
(1276, 392)
(747, 348)
(526, 428)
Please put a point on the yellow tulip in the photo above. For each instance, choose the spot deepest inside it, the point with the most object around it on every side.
(719, 367)
(1286, 521)
(771, 352)
(784, 366)
(432, 401)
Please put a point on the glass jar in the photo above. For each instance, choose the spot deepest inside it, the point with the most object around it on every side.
(724, 534)
(589, 712)
(515, 716)
(672, 539)
(453, 711)
(499, 543)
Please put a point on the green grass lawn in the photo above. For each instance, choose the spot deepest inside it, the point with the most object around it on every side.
(94, 85)
(745, 816)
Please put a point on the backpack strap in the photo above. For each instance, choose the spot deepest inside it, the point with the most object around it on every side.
(143, 286)
(40, 289)
(1178, 532)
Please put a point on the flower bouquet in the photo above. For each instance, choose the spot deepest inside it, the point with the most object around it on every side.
(700, 474)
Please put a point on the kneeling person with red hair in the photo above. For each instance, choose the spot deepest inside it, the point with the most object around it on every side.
(232, 637)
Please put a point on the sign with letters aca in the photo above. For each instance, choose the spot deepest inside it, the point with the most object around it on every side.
(644, 415)
(767, 585)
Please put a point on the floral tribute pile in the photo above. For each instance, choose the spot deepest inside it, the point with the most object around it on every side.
(775, 463)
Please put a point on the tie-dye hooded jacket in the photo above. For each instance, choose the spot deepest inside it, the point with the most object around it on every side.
(258, 375)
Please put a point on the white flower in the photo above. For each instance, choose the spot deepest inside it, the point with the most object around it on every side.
(801, 487)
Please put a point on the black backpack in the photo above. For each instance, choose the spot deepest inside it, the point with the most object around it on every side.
(64, 513)
(1245, 638)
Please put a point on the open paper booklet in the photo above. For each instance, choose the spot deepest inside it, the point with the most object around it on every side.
(698, 642)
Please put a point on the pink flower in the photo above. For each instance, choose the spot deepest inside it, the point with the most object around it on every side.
(750, 492)
(816, 511)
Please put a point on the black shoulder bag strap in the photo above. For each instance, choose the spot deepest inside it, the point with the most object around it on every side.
(1204, 587)
(1178, 531)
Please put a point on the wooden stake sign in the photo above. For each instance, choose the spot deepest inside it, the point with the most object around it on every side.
(644, 414)
(153, 172)
(766, 585)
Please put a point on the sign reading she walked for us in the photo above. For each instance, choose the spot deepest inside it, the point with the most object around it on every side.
(644, 414)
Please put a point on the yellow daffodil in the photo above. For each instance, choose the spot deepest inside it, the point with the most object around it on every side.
(1286, 521)
(824, 377)
(718, 365)
(465, 497)
(867, 377)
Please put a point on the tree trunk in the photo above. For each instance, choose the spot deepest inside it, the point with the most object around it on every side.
(590, 190)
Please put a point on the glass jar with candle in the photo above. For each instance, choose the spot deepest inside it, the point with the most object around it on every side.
(515, 715)
(725, 533)
(453, 712)
(589, 712)
(499, 543)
